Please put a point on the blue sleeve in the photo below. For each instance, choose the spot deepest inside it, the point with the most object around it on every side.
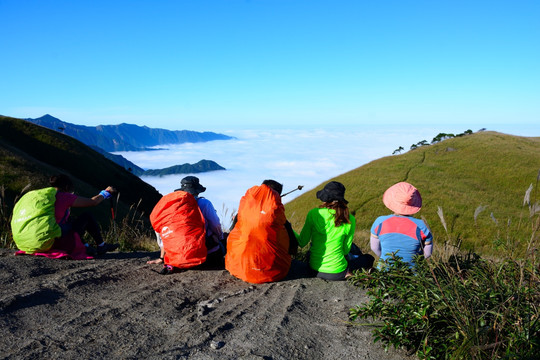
(213, 225)
(376, 224)
(426, 236)
(429, 237)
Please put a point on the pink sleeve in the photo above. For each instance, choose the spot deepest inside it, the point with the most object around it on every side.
(63, 203)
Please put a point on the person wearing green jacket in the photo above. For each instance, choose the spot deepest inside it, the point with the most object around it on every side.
(330, 229)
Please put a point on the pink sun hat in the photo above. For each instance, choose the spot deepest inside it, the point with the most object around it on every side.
(403, 199)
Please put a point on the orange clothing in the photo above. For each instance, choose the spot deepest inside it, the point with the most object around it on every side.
(257, 247)
(180, 223)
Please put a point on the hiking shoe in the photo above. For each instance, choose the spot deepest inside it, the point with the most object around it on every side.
(105, 248)
(91, 251)
(167, 269)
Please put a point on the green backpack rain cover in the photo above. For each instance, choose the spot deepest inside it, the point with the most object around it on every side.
(33, 224)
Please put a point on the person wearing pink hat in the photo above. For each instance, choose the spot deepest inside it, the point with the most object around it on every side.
(400, 233)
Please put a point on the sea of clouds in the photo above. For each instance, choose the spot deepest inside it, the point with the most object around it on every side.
(291, 156)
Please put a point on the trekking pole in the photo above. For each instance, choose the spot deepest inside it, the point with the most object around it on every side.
(298, 188)
(113, 218)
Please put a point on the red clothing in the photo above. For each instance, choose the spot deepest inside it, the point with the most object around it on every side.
(69, 243)
(63, 202)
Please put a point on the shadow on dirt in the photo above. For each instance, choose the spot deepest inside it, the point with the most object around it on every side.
(36, 298)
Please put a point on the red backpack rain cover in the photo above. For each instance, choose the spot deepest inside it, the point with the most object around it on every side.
(257, 247)
(180, 223)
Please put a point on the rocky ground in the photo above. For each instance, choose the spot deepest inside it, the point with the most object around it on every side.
(118, 307)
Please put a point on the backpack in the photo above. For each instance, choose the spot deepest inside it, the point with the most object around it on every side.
(258, 245)
(33, 223)
(180, 224)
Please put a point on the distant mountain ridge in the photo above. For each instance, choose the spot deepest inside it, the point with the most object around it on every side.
(125, 137)
(201, 166)
(120, 160)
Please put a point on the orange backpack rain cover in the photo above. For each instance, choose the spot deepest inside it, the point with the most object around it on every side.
(257, 247)
(180, 223)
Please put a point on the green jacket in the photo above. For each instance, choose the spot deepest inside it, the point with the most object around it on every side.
(329, 244)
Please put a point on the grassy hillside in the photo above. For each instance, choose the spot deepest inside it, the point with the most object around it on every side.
(30, 154)
(459, 175)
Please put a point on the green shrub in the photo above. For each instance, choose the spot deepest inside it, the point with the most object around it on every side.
(465, 308)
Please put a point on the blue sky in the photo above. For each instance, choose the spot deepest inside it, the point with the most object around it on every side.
(210, 65)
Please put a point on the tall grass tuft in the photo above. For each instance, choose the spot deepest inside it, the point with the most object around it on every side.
(477, 212)
(443, 221)
(527, 197)
(226, 218)
(5, 217)
(449, 247)
(6, 210)
(131, 231)
(507, 241)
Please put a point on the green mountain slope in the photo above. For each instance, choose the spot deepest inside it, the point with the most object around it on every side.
(30, 154)
(459, 175)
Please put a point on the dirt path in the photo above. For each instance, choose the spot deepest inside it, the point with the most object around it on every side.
(120, 307)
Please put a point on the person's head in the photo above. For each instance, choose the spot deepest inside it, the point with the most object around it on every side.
(403, 199)
(333, 191)
(191, 185)
(274, 185)
(333, 197)
(62, 182)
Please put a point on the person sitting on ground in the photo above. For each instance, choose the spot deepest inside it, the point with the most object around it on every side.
(400, 233)
(259, 245)
(65, 200)
(212, 226)
(330, 229)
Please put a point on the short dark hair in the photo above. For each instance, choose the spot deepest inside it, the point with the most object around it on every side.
(274, 185)
(61, 182)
